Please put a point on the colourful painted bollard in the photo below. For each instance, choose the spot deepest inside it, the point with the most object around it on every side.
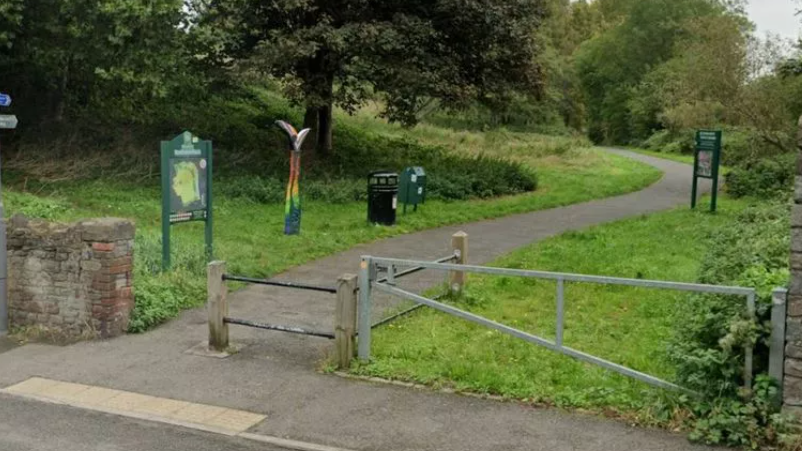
(292, 209)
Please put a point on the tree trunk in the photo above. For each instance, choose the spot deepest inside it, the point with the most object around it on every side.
(311, 121)
(324, 134)
(60, 101)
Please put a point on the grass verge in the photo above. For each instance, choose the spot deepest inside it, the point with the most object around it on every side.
(629, 326)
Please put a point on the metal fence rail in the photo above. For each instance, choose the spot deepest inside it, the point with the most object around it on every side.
(288, 329)
(398, 275)
(413, 270)
(280, 283)
(367, 270)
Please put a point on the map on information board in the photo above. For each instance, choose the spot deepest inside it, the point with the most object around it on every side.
(705, 165)
(187, 184)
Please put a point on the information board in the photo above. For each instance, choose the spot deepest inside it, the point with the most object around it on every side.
(706, 163)
(186, 168)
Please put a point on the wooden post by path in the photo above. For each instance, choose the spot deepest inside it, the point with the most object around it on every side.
(217, 305)
(345, 320)
(459, 244)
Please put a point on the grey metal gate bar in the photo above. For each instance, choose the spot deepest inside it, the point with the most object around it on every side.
(280, 283)
(367, 281)
(391, 274)
(288, 329)
(568, 277)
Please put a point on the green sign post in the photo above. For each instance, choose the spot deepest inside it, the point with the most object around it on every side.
(706, 163)
(186, 167)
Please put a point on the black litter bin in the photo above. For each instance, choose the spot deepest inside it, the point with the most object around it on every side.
(382, 197)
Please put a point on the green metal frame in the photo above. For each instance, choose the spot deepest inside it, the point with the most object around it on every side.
(168, 153)
(703, 146)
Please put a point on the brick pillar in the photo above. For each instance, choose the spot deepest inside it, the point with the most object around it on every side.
(792, 384)
(111, 244)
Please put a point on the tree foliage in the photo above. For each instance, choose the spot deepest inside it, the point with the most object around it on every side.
(344, 52)
(107, 58)
(613, 65)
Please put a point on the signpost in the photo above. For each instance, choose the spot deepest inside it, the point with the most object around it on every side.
(707, 159)
(6, 122)
(186, 169)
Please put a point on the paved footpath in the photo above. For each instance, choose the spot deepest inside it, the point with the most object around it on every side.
(274, 374)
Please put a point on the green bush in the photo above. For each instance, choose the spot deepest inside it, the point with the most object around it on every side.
(755, 424)
(712, 331)
(767, 177)
(343, 177)
(671, 142)
(162, 296)
(450, 176)
(740, 147)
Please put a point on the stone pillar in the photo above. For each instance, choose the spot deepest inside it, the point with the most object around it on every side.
(71, 277)
(792, 384)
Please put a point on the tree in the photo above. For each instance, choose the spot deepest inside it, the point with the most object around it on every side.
(701, 85)
(10, 20)
(343, 52)
(613, 65)
(114, 56)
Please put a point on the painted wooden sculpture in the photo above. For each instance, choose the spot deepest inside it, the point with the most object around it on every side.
(292, 209)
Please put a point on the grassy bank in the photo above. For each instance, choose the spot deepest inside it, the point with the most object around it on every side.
(629, 326)
(249, 235)
(249, 215)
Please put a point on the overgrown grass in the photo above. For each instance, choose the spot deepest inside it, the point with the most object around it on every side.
(630, 326)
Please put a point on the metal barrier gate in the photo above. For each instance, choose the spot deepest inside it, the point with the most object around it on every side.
(345, 311)
(368, 281)
(279, 328)
(217, 304)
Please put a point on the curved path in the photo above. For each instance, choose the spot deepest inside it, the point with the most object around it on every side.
(488, 239)
(273, 373)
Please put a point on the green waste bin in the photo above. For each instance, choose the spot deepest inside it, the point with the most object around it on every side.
(382, 197)
(412, 189)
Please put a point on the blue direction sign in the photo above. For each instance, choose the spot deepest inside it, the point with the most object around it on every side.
(5, 99)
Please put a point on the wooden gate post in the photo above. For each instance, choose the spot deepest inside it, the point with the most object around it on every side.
(459, 244)
(217, 305)
(345, 320)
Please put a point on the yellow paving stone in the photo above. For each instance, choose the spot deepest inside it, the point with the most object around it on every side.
(125, 401)
(220, 418)
(235, 420)
(160, 406)
(32, 386)
(197, 413)
(63, 391)
(94, 396)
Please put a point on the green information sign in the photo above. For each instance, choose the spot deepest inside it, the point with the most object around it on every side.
(186, 169)
(706, 163)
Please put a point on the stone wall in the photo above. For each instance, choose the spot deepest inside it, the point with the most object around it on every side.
(792, 378)
(73, 277)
